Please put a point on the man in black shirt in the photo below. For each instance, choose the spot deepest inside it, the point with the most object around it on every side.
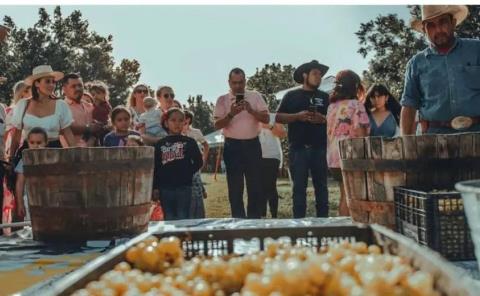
(304, 111)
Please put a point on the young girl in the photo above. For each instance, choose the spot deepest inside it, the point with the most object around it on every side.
(177, 159)
(383, 111)
(346, 118)
(101, 110)
(36, 138)
(121, 121)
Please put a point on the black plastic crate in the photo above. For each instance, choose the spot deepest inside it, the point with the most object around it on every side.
(436, 220)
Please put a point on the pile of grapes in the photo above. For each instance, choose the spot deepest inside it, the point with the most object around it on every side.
(156, 267)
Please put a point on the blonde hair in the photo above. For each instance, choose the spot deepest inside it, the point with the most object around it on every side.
(131, 99)
(18, 90)
(149, 102)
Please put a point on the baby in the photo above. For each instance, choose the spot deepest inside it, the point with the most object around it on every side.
(150, 120)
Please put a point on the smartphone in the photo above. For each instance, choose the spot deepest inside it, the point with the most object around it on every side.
(239, 98)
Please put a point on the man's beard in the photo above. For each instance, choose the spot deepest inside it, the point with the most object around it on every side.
(443, 40)
(314, 86)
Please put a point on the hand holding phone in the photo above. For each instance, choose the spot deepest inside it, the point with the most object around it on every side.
(239, 98)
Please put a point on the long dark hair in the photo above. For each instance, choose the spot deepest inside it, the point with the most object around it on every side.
(347, 86)
(391, 104)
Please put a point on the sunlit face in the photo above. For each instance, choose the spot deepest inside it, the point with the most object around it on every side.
(440, 30)
(73, 89)
(36, 141)
(313, 78)
(98, 95)
(166, 97)
(175, 123)
(237, 83)
(140, 92)
(27, 92)
(46, 85)
(122, 121)
(378, 101)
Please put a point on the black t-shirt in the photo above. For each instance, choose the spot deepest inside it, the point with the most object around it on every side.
(177, 159)
(305, 133)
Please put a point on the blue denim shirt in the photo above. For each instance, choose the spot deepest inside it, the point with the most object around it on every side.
(444, 86)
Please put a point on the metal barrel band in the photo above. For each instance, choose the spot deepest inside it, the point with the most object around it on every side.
(101, 212)
(370, 205)
(410, 165)
(84, 168)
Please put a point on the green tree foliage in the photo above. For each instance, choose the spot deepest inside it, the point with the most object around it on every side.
(68, 45)
(271, 79)
(203, 111)
(389, 43)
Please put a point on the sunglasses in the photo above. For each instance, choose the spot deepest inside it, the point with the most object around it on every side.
(167, 95)
(141, 90)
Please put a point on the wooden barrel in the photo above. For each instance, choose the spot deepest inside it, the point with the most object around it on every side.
(80, 194)
(372, 166)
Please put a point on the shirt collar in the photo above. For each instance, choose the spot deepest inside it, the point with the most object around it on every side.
(431, 50)
(72, 101)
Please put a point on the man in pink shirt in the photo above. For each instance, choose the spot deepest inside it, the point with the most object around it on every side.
(82, 126)
(240, 114)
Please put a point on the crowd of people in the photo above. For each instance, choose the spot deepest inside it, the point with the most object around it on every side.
(441, 86)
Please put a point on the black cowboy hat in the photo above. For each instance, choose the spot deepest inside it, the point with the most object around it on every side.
(307, 67)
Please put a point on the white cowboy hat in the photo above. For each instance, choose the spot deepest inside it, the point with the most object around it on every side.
(3, 32)
(43, 71)
(459, 12)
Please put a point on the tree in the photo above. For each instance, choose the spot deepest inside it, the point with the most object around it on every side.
(390, 43)
(68, 45)
(271, 79)
(203, 111)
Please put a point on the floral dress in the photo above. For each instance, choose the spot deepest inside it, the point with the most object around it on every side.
(343, 117)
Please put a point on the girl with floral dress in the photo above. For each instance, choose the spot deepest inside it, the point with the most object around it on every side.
(346, 118)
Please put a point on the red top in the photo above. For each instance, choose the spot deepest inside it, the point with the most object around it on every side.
(101, 112)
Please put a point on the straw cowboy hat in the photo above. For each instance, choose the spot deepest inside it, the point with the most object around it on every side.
(43, 71)
(3, 32)
(305, 68)
(459, 12)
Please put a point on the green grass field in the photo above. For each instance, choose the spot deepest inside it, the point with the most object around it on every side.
(217, 205)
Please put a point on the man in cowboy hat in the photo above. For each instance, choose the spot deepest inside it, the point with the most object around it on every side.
(443, 81)
(304, 111)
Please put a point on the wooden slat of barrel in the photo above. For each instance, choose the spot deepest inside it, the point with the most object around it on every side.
(476, 153)
(100, 193)
(419, 162)
(376, 190)
(355, 182)
(410, 153)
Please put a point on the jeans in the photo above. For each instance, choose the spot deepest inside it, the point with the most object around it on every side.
(302, 160)
(242, 161)
(176, 202)
(269, 185)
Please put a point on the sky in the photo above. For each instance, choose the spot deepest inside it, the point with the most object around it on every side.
(192, 48)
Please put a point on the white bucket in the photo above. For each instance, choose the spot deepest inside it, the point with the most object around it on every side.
(470, 191)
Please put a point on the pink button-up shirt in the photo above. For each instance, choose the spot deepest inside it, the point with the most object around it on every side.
(82, 115)
(244, 125)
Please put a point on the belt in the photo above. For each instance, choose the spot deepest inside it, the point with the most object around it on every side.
(458, 123)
